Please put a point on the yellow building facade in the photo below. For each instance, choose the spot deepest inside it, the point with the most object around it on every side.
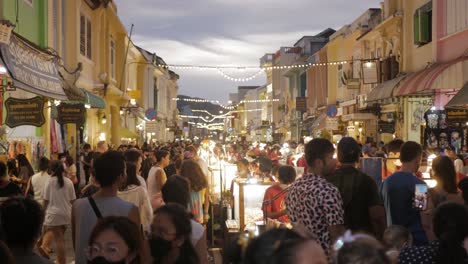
(96, 39)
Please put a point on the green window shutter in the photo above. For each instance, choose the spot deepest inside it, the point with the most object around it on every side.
(416, 27)
(424, 20)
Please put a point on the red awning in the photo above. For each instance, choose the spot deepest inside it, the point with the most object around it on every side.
(439, 76)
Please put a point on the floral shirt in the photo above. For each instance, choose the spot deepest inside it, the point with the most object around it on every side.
(419, 255)
(315, 204)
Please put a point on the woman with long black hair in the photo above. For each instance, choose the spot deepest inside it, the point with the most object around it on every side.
(58, 196)
(170, 241)
(450, 226)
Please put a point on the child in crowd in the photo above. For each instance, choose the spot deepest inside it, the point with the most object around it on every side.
(396, 238)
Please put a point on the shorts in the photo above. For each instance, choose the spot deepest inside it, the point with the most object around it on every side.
(56, 220)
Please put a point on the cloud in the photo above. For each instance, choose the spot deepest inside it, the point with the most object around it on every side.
(228, 32)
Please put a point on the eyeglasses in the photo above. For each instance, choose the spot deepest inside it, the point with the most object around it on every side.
(163, 233)
(109, 252)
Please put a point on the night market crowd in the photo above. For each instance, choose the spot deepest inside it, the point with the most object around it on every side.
(151, 204)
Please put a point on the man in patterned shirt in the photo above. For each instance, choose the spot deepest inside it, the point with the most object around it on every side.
(314, 205)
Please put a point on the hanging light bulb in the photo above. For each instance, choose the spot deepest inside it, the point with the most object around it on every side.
(104, 119)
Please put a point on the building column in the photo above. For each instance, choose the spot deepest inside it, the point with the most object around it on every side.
(115, 125)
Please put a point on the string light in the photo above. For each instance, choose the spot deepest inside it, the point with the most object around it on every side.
(230, 107)
(234, 79)
(243, 68)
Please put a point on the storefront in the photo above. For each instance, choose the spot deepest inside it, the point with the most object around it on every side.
(429, 89)
(33, 80)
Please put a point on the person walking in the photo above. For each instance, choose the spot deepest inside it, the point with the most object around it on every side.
(109, 170)
(7, 187)
(58, 196)
(363, 208)
(313, 204)
(39, 180)
(156, 176)
(132, 191)
(199, 196)
(398, 193)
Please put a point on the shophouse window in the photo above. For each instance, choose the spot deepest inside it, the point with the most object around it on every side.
(112, 57)
(423, 24)
(85, 36)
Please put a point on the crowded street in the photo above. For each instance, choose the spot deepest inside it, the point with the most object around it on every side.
(234, 132)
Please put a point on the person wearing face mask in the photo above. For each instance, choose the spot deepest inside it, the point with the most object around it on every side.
(115, 240)
(170, 239)
(109, 172)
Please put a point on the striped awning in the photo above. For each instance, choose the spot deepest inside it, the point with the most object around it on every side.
(384, 90)
(439, 76)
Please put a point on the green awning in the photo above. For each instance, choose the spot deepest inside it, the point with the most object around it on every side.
(93, 100)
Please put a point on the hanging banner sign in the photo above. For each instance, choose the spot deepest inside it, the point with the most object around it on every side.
(22, 112)
(32, 69)
(71, 114)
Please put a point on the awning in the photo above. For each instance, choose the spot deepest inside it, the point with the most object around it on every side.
(126, 133)
(439, 76)
(358, 117)
(384, 90)
(31, 68)
(319, 122)
(460, 99)
(93, 100)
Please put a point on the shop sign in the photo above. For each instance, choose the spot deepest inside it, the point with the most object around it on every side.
(151, 127)
(265, 123)
(353, 83)
(32, 69)
(386, 127)
(71, 114)
(301, 104)
(22, 112)
(331, 123)
(457, 115)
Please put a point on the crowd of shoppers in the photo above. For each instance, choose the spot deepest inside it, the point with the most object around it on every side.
(152, 205)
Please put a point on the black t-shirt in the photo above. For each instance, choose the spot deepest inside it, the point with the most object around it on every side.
(170, 170)
(10, 190)
(359, 192)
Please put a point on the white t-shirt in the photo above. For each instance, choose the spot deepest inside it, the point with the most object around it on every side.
(153, 186)
(459, 166)
(142, 182)
(138, 196)
(38, 182)
(59, 198)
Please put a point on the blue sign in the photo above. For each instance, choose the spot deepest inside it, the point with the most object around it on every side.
(150, 113)
(331, 111)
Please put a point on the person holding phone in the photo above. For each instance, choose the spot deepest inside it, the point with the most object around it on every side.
(398, 193)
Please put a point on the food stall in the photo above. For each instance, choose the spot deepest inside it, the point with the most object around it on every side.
(248, 199)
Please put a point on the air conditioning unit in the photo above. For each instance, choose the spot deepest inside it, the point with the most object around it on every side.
(362, 101)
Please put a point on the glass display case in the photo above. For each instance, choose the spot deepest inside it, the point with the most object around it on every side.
(248, 198)
(223, 174)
